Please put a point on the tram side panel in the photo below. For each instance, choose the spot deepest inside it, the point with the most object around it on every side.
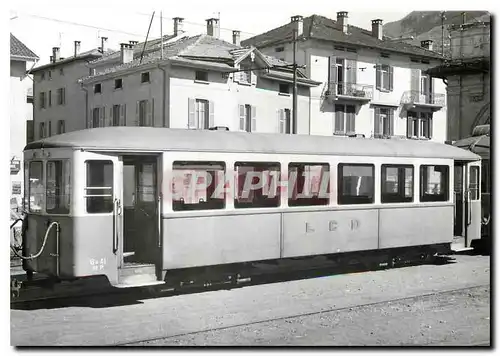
(327, 232)
(215, 240)
(416, 226)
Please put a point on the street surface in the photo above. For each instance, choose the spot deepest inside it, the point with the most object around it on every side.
(419, 305)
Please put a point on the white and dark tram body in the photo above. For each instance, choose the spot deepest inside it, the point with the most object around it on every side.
(119, 212)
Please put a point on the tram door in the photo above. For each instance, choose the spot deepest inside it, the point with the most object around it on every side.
(141, 235)
(467, 222)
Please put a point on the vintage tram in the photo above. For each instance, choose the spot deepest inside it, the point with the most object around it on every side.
(119, 201)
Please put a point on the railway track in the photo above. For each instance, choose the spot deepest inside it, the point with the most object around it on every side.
(299, 315)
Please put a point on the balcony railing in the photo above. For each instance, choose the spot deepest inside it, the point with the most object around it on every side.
(349, 90)
(415, 97)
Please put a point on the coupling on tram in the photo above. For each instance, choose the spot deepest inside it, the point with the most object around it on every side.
(134, 204)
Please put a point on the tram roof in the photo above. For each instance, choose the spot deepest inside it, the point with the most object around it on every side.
(143, 139)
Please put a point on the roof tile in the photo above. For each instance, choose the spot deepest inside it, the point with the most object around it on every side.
(323, 28)
(19, 49)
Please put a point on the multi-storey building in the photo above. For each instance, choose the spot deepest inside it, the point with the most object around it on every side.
(371, 84)
(20, 113)
(58, 97)
(195, 82)
(467, 74)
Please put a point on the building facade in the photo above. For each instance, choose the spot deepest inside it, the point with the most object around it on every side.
(371, 85)
(195, 82)
(21, 113)
(467, 74)
(58, 97)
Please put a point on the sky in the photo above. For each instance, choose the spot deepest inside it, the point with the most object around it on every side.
(58, 24)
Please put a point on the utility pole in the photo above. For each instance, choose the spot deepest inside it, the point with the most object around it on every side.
(294, 110)
(297, 32)
(161, 33)
(463, 18)
(442, 32)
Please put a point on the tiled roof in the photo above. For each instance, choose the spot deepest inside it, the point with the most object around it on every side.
(93, 53)
(323, 28)
(201, 49)
(151, 45)
(19, 49)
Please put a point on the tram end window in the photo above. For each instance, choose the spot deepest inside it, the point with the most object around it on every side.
(397, 183)
(356, 184)
(434, 183)
(99, 186)
(58, 187)
(198, 186)
(474, 183)
(257, 185)
(308, 184)
(36, 188)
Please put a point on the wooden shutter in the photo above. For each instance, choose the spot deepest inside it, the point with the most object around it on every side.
(351, 74)
(391, 121)
(409, 126)
(253, 110)
(241, 114)
(89, 118)
(111, 117)
(339, 120)
(391, 78)
(191, 113)
(281, 121)
(149, 113)
(378, 77)
(415, 82)
(102, 116)
(122, 115)
(211, 118)
(350, 120)
(332, 74)
(376, 122)
(63, 92)
(138, 113)
(430, 121)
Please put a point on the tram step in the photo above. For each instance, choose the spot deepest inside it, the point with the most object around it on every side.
(135, 275)
(459, 244)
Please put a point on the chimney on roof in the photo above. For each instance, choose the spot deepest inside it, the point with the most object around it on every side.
(127, 52)
(51, 59)
(298, 22)
(77, 48)
(377, 29)
(103, 39)
(236, 38)
(427, 44)
(133, 43)
(55, 54)
(213, 27)
(342, 20)
(178, 25)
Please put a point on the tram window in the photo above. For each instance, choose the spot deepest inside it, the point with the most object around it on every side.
(474, 183)
(434, 183)
(355, 183)
(99, 189)
(397, 183)
(198, 186)
(58, 184)
(308, 184)
(36, 187)
(257, 185)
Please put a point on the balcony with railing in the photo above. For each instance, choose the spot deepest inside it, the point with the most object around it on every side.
(415, 98)
(349, 91)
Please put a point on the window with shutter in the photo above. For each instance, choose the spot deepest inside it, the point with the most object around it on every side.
(332, 74)
(211, 115)
(281, 123)
(350, 119)
(376, 123)
(241, 115)
(339, 128)
(253, 111)
(116, 115)
(123, 115)
(378, 77)
(191, 113)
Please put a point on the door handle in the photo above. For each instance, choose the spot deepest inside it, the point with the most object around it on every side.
(117, 211)
(159, 220)
(469, 212)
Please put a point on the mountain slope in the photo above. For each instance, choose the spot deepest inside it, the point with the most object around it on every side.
(426, 25)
